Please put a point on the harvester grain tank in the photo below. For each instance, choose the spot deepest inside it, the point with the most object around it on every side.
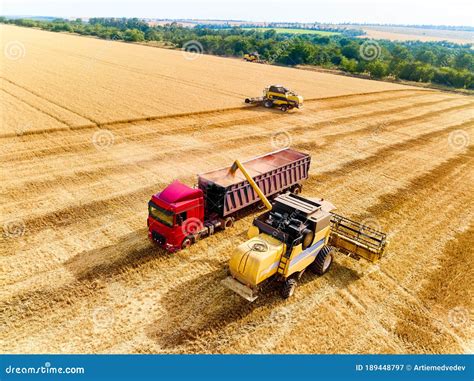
(278, 96)
(179, 215)
(294, 234)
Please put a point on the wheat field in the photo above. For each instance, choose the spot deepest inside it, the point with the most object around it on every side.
(91, 129)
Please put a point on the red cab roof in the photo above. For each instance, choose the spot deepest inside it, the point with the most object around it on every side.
(178, 192)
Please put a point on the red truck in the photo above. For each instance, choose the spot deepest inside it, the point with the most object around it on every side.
(179, 215)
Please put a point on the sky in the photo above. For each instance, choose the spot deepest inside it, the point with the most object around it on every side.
(435, 12)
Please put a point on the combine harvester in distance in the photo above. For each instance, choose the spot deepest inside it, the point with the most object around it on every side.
(278, 96)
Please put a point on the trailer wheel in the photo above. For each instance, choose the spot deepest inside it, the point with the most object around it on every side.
(186, 243)
(268, 103)
(284, 108)
(228, 223)
(323, 261)
(288, 288)
(247, 100)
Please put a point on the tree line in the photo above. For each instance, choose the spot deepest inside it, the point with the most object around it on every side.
(441, 63)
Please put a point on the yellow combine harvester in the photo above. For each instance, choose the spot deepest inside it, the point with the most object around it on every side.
(279, 96)
(253, 57)
(294, 234)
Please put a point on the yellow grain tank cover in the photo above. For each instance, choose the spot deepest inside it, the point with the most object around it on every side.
(256, 259)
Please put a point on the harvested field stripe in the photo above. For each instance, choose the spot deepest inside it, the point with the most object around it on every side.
(181, 115)
(387, 151)
(336, 121)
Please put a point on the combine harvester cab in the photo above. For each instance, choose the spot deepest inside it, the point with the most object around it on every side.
(180, 215)
(294, 235)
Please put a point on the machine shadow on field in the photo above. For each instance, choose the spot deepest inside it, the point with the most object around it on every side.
(208, 307)
(131, 251)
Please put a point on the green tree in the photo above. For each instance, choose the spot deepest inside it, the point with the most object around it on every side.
(349, 65)
(134, 35)
(351, 51)
(377, 69)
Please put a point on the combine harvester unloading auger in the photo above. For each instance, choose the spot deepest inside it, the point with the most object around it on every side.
(294, 234)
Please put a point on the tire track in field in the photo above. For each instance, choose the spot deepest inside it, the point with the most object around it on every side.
(385, 153)
(415, 222)
(376, 114)
(34, 107)
(49, 100)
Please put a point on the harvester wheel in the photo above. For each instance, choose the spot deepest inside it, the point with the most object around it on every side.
(323, 261)
(284, 108)
(268, 103)
(308, 237)
(288, 288)
(186, 243)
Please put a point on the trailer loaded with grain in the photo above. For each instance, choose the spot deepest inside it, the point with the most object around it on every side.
(179, 215)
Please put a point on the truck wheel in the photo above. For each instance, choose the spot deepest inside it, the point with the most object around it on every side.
(288, 288)
(186, 243)
(323, 261)
(284, 108)
(268, 103)
(247, 100)
(297, 189)
(228, 223)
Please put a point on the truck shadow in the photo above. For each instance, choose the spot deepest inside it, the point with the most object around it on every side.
(196, 313)
(132, 250)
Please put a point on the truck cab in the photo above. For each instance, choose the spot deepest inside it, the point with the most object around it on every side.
(175, 214)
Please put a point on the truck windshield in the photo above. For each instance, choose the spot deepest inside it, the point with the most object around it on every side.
(162, 215)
